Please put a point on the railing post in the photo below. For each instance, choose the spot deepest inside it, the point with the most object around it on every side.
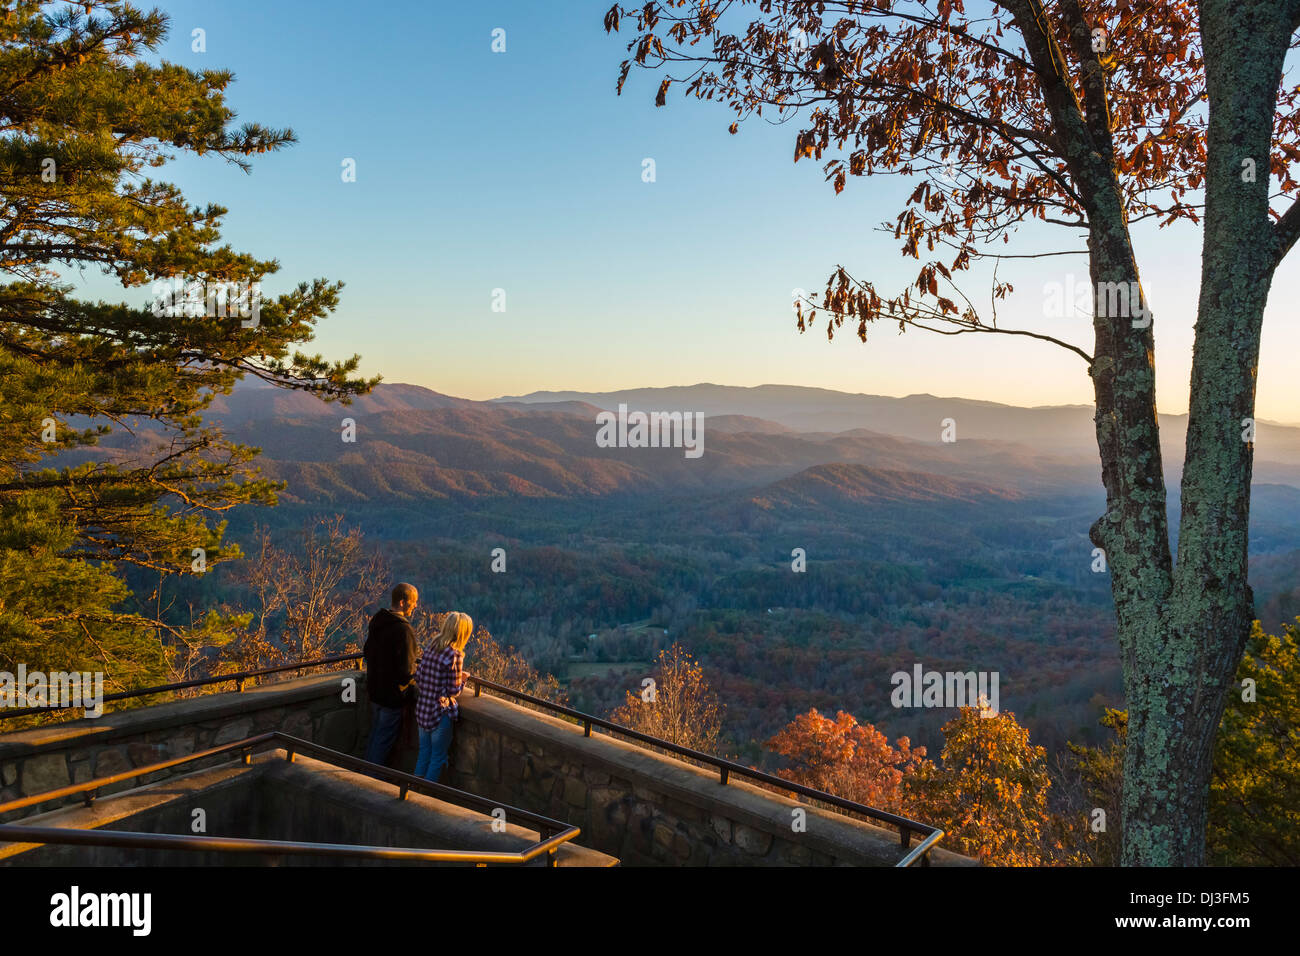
(478, 688)
(725, 774)
(904, 837)
(543, 834)
(586, 728)
(89, 797)
(246, 756)
(401, 792)
(239, 686)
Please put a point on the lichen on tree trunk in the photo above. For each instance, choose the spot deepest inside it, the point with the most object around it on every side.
(1182, 629)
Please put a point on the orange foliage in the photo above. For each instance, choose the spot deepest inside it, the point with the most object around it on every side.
(989, 792)
(847, 759)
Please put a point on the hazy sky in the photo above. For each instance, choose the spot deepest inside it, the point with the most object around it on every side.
(522, 171)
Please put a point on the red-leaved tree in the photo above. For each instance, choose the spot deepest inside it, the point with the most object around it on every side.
(848, 759)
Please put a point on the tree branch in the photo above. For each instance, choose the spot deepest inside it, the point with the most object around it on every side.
(988, 328)
(1286, 231)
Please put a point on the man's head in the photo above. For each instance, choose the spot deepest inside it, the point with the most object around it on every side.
(405, 597)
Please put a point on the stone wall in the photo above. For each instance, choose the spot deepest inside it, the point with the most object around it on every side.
(646, 808)
(46, 758)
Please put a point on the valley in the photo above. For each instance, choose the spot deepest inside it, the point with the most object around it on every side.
(970, 556)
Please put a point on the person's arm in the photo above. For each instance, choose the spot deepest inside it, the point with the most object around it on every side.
(424, 675)
(457, 672)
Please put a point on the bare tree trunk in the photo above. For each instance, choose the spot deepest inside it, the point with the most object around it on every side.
(1134, 531)
(1183, 666)
(1181, 631)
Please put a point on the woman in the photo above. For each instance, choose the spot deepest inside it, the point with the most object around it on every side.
(438, 682)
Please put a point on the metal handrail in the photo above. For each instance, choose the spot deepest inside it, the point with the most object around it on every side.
(183, 841)
(551, 833)
(239, 678)
(922, 850)
(726, 767)
(906, 827)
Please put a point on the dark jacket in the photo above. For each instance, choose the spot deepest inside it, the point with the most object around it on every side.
(390, 653)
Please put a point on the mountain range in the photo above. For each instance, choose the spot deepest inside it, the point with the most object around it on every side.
(784, 443)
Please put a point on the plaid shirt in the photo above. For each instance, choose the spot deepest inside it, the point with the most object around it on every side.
(438, 680)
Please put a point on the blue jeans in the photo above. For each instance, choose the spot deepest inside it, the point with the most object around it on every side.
(434, 745)
(385, 724)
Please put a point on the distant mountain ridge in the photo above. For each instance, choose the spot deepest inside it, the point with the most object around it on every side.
(414, 444)
(1052, 429)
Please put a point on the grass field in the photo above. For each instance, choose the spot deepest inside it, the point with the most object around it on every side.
(578, 669)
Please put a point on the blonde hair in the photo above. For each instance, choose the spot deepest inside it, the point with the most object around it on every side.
(456, 631)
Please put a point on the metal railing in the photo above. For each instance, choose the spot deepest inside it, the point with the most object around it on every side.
(239, 679)
(930, 835)
(551, 833)
(726, 768)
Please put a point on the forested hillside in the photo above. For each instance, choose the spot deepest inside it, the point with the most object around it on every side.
(957, 556)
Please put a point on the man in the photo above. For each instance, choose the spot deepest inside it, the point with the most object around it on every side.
(390, 653)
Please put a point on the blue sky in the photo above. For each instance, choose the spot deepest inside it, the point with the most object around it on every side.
(522, 171)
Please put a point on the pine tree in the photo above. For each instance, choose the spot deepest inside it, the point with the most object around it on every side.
(1098, 777)
(87, 116)
(1255, 783)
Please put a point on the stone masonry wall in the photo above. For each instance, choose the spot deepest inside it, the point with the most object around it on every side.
(646, 808)
(46, 758)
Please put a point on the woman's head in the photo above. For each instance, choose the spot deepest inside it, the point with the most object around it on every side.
(456, 630)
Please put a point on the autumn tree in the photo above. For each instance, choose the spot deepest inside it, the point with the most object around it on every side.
(847, 759)
(1090, 115)
(676, 705)
(988, 791)
(308, 597)
(88, 114)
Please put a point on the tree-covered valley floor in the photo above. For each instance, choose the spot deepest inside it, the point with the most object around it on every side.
(995, 586)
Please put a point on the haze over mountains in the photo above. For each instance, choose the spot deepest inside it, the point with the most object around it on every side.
(803, 409)
(414, 443)
(417, 445)
(1065, 430)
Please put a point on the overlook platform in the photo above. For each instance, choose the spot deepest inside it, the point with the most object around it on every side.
(632, 804)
